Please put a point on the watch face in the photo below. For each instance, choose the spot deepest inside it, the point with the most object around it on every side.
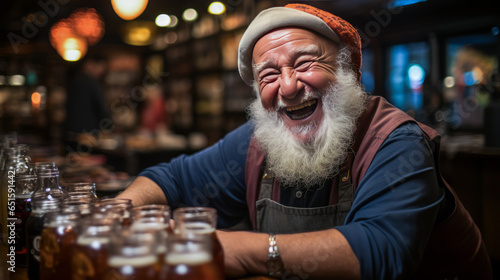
(274, 265)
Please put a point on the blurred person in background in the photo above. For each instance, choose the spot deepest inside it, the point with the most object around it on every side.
(86, 108)
(154, 117)
(324, 181)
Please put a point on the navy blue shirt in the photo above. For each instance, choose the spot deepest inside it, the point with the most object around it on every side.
(394, 205)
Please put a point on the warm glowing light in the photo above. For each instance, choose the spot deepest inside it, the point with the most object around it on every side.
(129, 9)
(36, 98)
(72, 55)
(478, 74)
(162, 20)
(449, 82)
(60, 31)
(73, 49)
(17, 80)
(216, 8)
(170, 37)
(190, 14)
(69, 44)
(138, 33)
(88, 23)
(173, 21)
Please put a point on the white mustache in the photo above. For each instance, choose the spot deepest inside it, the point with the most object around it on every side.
(308, 95)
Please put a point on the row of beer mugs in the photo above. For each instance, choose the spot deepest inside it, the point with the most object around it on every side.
(111, 239)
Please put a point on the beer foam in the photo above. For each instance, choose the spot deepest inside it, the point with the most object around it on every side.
(199, 227)
(92, 240)
(118, 261)
(161, 249)
(148, 226)
(60, 225)
(194, 258)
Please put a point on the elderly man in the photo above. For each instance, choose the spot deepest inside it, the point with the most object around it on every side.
(335, 184)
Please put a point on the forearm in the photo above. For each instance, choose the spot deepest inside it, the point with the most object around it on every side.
(321, 254)
(144, 191)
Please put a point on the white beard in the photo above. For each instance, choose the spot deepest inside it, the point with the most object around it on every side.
(304, 164)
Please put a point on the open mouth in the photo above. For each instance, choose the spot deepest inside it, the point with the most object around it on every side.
(302, 111)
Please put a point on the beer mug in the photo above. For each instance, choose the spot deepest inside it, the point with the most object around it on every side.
(25, 186)
(151, 207)
(34, 228)
(58, 238)
(189, 257)
(132, 256)
(82, 187)
(120, 203)
(90, 254)
(146, 209)
(200, 220)
(81, 205)
(156, 221)
(76, 195)
(48, 182)
(155, 215)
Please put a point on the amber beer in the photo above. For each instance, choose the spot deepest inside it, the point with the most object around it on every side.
(206, 229)
(58, 238)
(89, 259)
(201, 220)
(189, 258)
(34, 228)
(158, 229)
(123, 268)
(133, 256)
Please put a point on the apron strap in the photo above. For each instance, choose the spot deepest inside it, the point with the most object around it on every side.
(345, 190)
(266, 186)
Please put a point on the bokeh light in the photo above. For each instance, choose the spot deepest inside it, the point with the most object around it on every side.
(416, 75)
(190, 14)
(89, 24)
(129, 9)
(449, 82)
(162, 20)
(173, 21)
(70, 45)
(216, 8)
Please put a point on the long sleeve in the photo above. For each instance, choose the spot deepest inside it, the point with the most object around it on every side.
(214, 177)
(394, 207)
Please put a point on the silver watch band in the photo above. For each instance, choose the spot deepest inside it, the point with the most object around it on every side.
(274, 264)
(273, 246)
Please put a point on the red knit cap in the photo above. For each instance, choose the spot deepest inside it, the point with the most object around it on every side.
(346, 32)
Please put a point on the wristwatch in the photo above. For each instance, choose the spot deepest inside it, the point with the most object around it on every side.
(274, 263)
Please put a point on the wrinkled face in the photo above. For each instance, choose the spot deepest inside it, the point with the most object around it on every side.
(290, 66)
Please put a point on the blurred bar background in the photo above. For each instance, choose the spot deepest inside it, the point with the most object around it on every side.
(171, 84)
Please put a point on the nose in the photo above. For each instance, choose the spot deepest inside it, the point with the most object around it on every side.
(290, 85)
